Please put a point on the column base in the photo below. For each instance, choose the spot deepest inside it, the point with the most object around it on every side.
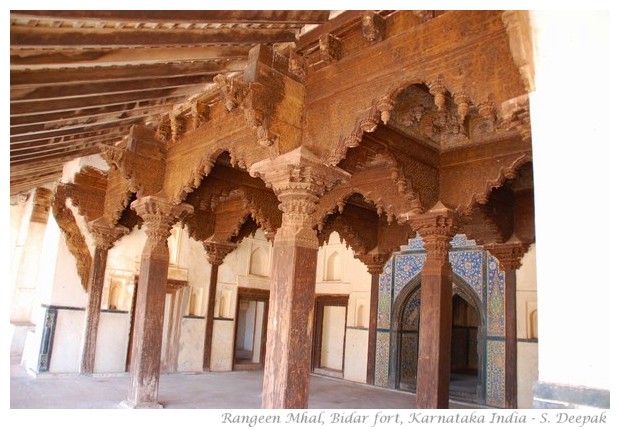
(146, 405)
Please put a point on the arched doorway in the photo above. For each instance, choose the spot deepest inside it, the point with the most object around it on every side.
(467, 345)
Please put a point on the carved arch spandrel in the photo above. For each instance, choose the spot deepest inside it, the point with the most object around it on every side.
(74, 239)
(88, 192)
(475, 53)
(191, 158)
(473, 183)
(117, 197)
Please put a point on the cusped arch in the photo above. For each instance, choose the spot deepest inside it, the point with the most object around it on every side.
(504, 174)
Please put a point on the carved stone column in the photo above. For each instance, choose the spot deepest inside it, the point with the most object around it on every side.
(509, 255)
(437, 227)
(375, 263)
(159, 216)
(298, 179)
(105, 237)
(216, 252)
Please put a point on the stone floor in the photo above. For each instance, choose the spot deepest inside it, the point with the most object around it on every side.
(229, 390)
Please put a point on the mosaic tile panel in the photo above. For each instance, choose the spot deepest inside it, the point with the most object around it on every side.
(468, 265)
(495, 373)
(460, 240)
(416, 243)
(385, 278)
(495, 298)
(406, 267)
(384, 310)
(382, 359)
(411, 314)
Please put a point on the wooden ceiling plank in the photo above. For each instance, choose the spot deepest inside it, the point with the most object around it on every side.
(186, 16)
(29, 78)
(53, 59)
(69, 139)
(117, 110)
(50, 37)
(100, 101)
(104, 88)
(61, 157)
(73, 130)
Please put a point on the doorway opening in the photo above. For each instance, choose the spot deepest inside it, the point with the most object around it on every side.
(251, 329)
(330, 335)
(466, 379)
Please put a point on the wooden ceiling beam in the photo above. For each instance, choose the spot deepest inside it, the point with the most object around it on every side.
(36, 168)
(291, 17)
(37, 78)
(73, 130)
(58, 38)
(339, 23)
(98, 101)
(57, 120)
(68, 139)
(26, 59)
(35, 93)
(64, 155)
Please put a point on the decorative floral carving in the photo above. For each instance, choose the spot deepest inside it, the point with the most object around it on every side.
(217, 251)
(159, 215)
(232, 91)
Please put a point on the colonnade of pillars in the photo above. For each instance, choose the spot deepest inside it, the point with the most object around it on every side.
(289, 335)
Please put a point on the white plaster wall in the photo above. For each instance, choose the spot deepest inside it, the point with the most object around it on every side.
(222, 347)
(67, 341)
(355, 357)
(572, 47)
(527, 373)
(527, 352)
(191, 345)
(332, 344)
(112, 342)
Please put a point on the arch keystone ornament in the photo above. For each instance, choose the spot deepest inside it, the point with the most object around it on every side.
(299, 179)
(159, 216)
(437, 227)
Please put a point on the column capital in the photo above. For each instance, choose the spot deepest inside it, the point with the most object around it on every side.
(374, 261)
(298, 178)
(437, 227)
(105, 235)
(509, 253)
(217, 251)
(298, 171)
(160, 214)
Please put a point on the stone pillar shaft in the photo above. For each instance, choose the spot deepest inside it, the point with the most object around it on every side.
(206, 362)
(93, 309)
(437, 227)
(291, 306)
(159, 215)
(104, 238)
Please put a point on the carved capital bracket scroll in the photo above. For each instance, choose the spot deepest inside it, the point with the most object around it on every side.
(159, 215)
(217, 251)
(509, 253)
(299, 179)
(105, 236)
(374, 260)
(437, 227)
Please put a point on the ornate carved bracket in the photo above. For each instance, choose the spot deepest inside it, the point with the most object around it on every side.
(509, 253)
(515, 114)
(232, 91)
(374, 260)
(74, 239)
(217, 251)
(105, 235)
(330, 50)
(159, 215)
(373, 26)
(437, 227)
(41, 205)
(298, 178)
